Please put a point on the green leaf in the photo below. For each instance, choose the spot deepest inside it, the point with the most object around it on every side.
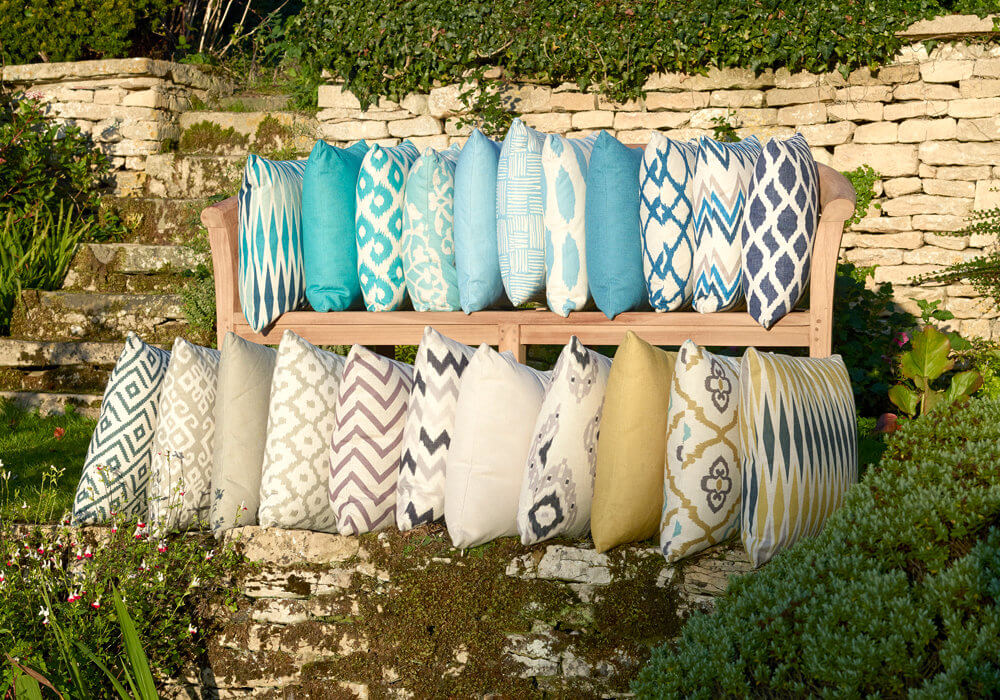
(928, 357)
(137, 659)
(115, 683)
(26, 687)
(905, 399)
(963, 385)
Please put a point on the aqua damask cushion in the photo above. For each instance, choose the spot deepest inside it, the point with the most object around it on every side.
(799, 441)
(721, 179)
(429, 232)
(520, 215)
(329, 244)
(477, 253)
(779, 228)
(666, 217)
(116, 470)
(564, 182)
(271, 272)
(379, 224)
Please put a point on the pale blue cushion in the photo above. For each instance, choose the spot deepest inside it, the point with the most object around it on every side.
(271, 273)
(476, 250)
(614, 247)
(428, 232)
(329, 244)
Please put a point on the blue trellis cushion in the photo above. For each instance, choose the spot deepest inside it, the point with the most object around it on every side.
(477, 255)
(116, 471)
(779, 228)
(564, 190)
(271, 275)
(666, 217)
(329, 246)
(720, 188)
(379, 224)
(429, 232)
(614, 248)
(520, 223)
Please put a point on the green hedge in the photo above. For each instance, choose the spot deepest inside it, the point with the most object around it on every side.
(897, 596)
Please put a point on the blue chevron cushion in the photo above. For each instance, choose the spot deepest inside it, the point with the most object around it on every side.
(117, 468)
(720, 189)
(564, 189)
(429, 232)
(379, 224)
(271, 275)
(666, 217)
(477, 255)
(329, 245)
(779, 228)
(520, 224)
(614, 248)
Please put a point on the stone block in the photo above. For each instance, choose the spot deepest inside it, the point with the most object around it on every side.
(630, 121)
(885, 225)
(337, 97)
(950, 188)
(551, 122)
(856, 111)
(973, 107)
(704, 118)
(418, 126)
(925, 91)
(946, 71)
(932, 255)
(664, 81)
(778, 97)
(446, 101)
(96, 112)
(898, 186)
(955, 153)
(154, 99)
(877, 132)
(912, 204)
(901, 274)
(972, 308)
(948, 242)
(573, 102)
(332, 114)
(111, 96)
(892, 160)
(962, 172)
(796, 115)
(763, 133)
(132, 148)
(982, 129)
(905, 73)
(858, 76)
(907, 240)
(920, 130)
(676, 101)
(415, 103)
(982, 240)
(525, 99)
(987, 194)
(865, 257)
(938, 222)
(980, 87)
(150, 131)
(354, 130)
(724, 79)
(980, 328)
(454, 126)
(908, 110)
(987, 68)
(736, 98)
(596, 119)
(437, 141)
(827, 134)
(865, 93)
(783, 78)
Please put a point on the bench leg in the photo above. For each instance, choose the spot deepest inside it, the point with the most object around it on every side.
(510, 341)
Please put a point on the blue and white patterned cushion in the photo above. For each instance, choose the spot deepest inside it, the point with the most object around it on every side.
(117, 468)
(271, 272)
(379, 224)
(429, 232)
(666, 218)
(779, 228)
(720, 189)
(520, 215)
(564, 197)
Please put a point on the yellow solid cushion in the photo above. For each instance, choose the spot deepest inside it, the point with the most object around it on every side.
(628, 484)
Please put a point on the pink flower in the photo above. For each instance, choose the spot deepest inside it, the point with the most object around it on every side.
(58, 433)
(96, 605)
(162, 547)
(87, 554)
(902, 339)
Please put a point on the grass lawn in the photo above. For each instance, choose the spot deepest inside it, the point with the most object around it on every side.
(43, 457)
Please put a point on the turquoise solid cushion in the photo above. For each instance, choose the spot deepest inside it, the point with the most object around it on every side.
(476, 253)
(329, 244)
(614, 243)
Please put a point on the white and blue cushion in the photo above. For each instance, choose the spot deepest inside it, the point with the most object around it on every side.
(564, 196)
(720, 189)
(779, 228)
(429, 232)
(271, 272)
(666, 219)
(378, 221)
(520, 215)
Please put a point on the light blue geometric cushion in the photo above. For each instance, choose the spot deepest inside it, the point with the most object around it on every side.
(429, 233)
(520, 215)
(379, 224)
(329, 244)
(720, 189)
(779, 228)
(477, 254)
(614, 246)
(270, 271)
(666, 216)
(564, 190)
(117, 468)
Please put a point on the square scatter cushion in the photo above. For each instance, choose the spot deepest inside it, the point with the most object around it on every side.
(614, 245)
(300, 420)
(721, 179)
(181, 486)
(116, 470)
(798, 436)
(628, 484)
(367, 441)
(559, 483)
(666, 218)
(378, 223)
(329, 242)
(429, 429)
(477, 255)
(271, 272)
(429, 232)
(497, 406)
(701, 482)
(520, 216)
(241, 405)
(779, 228)
(564, 183)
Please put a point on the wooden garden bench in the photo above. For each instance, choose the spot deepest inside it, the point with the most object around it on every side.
(513, 330)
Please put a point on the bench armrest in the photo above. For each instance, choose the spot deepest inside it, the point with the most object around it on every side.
(222, 222)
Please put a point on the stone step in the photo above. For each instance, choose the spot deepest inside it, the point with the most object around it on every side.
(268, 133)
(160, 221)
(130, 267)
(33, 354)
(49, 403)
(250, 102)
(178, 176)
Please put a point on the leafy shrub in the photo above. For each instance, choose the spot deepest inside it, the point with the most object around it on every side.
(983, 271)
(863, 179)
(898, 595)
